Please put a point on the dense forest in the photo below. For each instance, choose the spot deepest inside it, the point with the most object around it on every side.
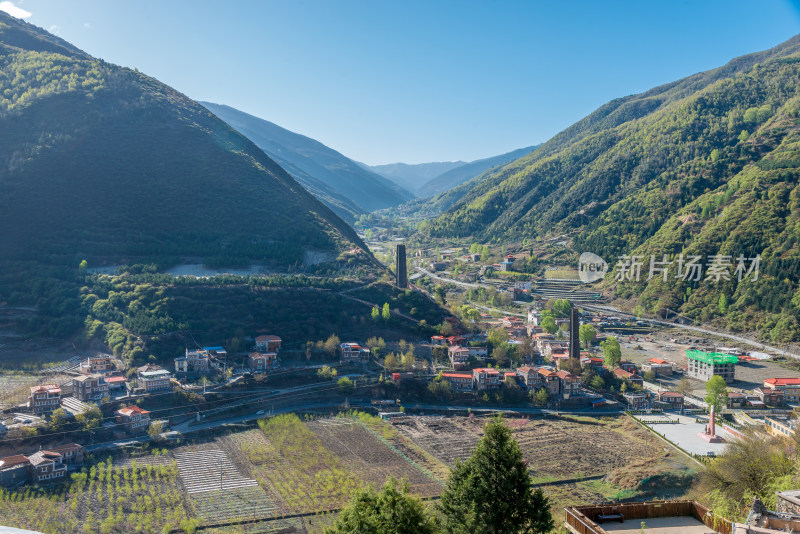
(705, 166)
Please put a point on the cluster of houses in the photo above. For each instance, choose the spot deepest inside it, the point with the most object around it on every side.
(42, 467)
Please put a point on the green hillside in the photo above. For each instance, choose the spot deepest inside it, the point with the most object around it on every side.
(103, 163)
(706, 164)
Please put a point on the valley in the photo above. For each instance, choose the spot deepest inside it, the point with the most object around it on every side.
(213, 323)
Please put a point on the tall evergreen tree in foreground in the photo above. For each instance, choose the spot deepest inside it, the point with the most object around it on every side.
(491, 492)
(392, 511)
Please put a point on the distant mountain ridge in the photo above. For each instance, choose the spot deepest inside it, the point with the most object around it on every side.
(412, 176)
(104, 163)
(344, 185)
(462, 173)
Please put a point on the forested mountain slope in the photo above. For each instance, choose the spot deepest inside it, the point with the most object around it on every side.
(706, 164)
(338, 181)
(412, 176)
(104, 163)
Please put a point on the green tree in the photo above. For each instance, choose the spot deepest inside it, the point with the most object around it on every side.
(83, 266)
(154, 430)
(540, 397)
(345, 385)
(638, 311)
(722, 304)
(684, 387)
(716, 393)
(497, 337)
(408, 361)
(91, 418)
(375, 314)
(549, 325)
(58, 419)
(586, 334)
(598, 383)
(612, 353)
(441, 293)
(394, 510)
(386, 313)
(491, 491)
(561, 308)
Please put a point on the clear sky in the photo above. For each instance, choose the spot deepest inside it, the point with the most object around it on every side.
(416, 81)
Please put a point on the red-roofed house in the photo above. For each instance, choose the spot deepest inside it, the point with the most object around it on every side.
(45, 398)
(789, 386)
(570, 384)
(550, 381)
(133, 418)
(770, 397)
(459, 381)
(268, 343)
(438, 340)
(486, 378)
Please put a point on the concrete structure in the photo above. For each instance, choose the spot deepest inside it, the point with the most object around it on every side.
(574, 333)
(47, 467)
(636, 401)
(268, 343)
(658, 366)
(193, 362)
(89, 388)
(790, 387)
(262, 361)
(459, 356)
(401, 267)
(710, 433)
(459, 381)
(780, 426)
(763, 521)
(154, 378)
(353, 353)
(14, 470)
(704, 365)
(98, 364)
(672, 398)
(486, 378)
(568, 383)
(44, 398)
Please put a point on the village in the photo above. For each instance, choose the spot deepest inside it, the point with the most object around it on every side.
(534, 349)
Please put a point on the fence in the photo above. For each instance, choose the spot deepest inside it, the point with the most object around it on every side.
(582, 519)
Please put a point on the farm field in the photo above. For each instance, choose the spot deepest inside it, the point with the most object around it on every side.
(261, 480)
(134, 499)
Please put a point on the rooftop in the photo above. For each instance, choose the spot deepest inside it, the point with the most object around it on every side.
(783, 381)
(711, 358)
(667, 517)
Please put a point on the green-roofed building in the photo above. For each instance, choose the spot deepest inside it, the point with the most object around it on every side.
(703, 365)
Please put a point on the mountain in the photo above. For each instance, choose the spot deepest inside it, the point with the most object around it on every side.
(104, 163)
(414, 176)
(462, 173)
(338, 181)
(707, 165)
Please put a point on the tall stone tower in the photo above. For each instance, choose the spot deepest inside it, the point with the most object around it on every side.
(400, 267)
(574, 329)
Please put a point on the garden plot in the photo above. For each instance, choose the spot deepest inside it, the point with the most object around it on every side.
(444, 438)
(209, 470)
(564, 449)
(238, 504)
(370, 457)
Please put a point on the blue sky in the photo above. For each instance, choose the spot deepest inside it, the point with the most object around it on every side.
(416, 81)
